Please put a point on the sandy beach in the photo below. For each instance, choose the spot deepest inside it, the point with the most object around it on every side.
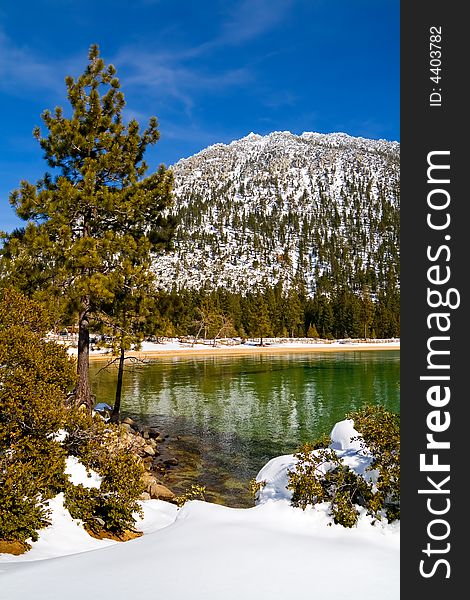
(152, 351)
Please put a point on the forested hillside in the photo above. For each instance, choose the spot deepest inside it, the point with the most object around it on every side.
(307, 225)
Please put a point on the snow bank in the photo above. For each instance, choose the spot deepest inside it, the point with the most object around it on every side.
(65, 536)
(299, 343)
(210, 552)
(176, 345)
(274, 475)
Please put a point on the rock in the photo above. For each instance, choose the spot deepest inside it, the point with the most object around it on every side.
(161, 492)
(149, 450)
(170, 461)
(126, 427)
(153, 432)
(145, 432)
(145, 496)
(131, 422)
(148, 462)
(148, 478)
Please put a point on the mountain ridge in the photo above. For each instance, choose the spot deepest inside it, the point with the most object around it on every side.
(314, 210)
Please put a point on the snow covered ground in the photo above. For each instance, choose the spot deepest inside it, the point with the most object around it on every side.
(268, 343)
(210, 552)
(227, 346)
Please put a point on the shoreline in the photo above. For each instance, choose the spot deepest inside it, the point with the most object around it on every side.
(246, 350)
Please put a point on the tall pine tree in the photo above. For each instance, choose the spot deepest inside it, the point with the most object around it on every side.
(97, 211)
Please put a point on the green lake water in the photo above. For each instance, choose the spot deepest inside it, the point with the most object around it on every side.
(227, 416)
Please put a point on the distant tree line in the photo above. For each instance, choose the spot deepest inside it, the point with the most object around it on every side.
(276, 312)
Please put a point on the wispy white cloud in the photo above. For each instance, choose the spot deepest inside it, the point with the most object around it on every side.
(179, 76)
(244, 22)
(251, 18)
(22, 70)
(169, 76)
(176, 75)
(173, 77)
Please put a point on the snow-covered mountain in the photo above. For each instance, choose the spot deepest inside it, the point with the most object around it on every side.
(320, 208)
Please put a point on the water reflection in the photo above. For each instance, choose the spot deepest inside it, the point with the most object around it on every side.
(234, 413)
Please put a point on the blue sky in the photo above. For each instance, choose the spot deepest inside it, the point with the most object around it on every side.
(210, 71)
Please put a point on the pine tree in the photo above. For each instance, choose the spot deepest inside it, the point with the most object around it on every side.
(259, 323)
(98, 210)
(312, 331)
(293, 314)
(367, 310)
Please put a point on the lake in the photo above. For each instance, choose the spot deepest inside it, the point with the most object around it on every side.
(227, 416)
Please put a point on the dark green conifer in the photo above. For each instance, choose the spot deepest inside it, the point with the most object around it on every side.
(312, 331)
(97, 211)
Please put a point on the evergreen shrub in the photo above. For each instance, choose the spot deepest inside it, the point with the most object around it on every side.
(320, 476)
(101, 447)
(35, 377)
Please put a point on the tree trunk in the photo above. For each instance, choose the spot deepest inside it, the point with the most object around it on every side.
(117, 401)
(83, 391)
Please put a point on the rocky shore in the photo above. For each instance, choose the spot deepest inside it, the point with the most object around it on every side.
(149, 444)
